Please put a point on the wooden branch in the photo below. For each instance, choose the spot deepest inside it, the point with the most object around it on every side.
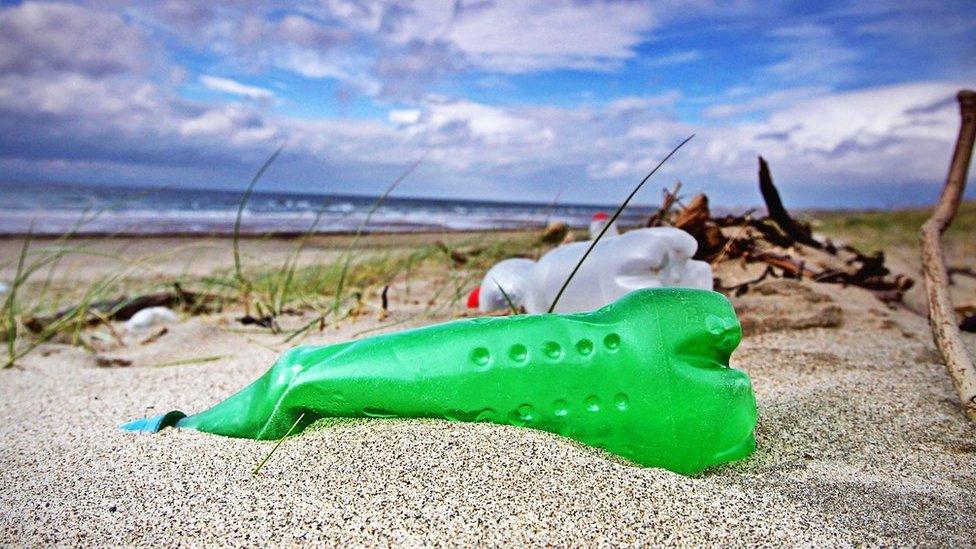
(942, 317)
(789, 266)
(660, 217)
(778, 213)
(964, 271)
(968, 323)
(696, 220)
(741, 288)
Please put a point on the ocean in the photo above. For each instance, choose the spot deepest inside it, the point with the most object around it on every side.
(56, 208)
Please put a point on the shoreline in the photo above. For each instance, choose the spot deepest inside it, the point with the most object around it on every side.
(275, 234)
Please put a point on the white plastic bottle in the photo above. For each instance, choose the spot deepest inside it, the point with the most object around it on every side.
(599, 221)
(644, 258)
(510, 277)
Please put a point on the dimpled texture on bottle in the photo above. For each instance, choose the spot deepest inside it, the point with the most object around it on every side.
(646, 378)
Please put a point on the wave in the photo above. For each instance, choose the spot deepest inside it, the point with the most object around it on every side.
(57, 209)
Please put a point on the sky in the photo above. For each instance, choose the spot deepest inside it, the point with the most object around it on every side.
(852, 103)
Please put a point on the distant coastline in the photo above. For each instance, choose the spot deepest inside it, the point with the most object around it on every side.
(57, 208)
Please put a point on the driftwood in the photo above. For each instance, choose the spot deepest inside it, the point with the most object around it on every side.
(660, 217)
(554, 233)
(777, 240)
(777, 212)
(942, 317)
(742, 288)
(696, 220)
(791, 268)
(968, 323)
(123, 308)
(964, 271)
(266, 321)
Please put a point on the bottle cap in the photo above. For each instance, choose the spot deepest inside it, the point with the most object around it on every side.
(473, 301)
(154, 424)
(601, 216)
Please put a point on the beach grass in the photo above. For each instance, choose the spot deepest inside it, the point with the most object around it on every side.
(337, 288)
(878, 230)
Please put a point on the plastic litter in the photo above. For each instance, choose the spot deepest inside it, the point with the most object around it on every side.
(646, 378)
(643, 258)
(599, 221)
(511, 277)
(150, 318)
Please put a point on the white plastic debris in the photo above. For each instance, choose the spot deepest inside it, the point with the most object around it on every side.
(510, 277)
(4, 288)
(599, 221)
(150, 318)
(644, 258)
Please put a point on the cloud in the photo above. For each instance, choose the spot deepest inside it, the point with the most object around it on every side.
(234, 87)
(411, 70)
(239, 125)
(675, 58)
(870, 118)
(833, 146)
(392, 47)
(813, 54)
(92, 91)
(478, 123)
(402, 49)
(404, 116)
(763, 103)
(306, 32)
(45, 37)
(348, 68)
(514, 36)
(119, 110)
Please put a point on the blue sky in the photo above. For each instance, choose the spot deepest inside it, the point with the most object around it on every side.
(851, 102)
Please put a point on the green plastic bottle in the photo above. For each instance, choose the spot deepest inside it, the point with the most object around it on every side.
(645, 377)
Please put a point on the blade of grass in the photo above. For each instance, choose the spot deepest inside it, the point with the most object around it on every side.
(50, 257)
(72, 316)
(613, 218)
(277, 444)
(185, 361)
(240, 213)
(10, 303)
(552, 205)
(307, 326)
(348, 256)
(292, 263)
(428, 312)
(505, 295)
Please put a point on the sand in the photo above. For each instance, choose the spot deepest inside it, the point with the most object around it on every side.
(860, 442)
(165, 257)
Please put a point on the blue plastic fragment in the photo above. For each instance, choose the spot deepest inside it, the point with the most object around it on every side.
(153, 424)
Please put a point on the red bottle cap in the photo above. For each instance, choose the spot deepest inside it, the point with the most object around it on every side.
(601, 216)
(473, 298)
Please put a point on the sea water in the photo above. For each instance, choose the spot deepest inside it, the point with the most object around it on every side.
(55, 208)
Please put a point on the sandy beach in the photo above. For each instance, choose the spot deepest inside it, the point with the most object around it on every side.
(206, 207)
(860, 439)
